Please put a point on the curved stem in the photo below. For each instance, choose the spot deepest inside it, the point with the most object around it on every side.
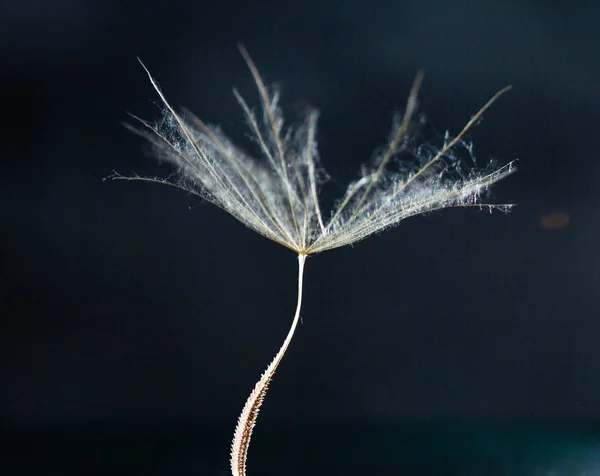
(247, 419)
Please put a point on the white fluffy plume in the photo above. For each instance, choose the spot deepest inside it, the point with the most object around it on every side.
(278, 196)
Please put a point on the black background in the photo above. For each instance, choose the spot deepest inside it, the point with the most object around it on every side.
(131, 305)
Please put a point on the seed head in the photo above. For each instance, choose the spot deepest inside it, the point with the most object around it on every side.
(278, 196)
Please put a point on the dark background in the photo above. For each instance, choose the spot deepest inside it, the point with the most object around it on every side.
(135, 315)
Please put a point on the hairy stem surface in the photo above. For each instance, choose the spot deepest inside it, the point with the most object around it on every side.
(247, 419)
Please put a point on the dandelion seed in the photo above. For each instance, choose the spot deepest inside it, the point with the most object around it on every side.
(278, 196)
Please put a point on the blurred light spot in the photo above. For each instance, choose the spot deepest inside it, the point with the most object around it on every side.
(554, 221)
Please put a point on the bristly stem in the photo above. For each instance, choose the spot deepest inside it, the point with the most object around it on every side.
(247, 419)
